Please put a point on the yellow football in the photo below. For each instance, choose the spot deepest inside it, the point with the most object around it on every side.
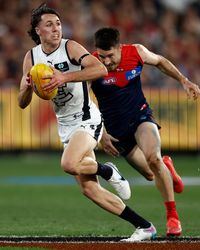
(37, 72)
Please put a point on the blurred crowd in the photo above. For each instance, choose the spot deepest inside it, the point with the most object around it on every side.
(167, 27)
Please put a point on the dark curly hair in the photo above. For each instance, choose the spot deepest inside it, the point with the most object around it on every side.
(36, 18)
(107, 37)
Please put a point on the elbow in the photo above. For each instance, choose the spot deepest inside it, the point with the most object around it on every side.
(22, 104)
(24, 99)
(162, 61)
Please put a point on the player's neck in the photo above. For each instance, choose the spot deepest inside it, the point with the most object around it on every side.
(49, 48)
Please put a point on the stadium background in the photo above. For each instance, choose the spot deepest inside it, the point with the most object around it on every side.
(168, 27)
(32, 186)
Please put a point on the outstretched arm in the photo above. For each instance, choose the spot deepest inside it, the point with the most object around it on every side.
(169, 69)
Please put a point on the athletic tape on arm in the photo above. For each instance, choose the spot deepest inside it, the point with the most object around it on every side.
(81, 58)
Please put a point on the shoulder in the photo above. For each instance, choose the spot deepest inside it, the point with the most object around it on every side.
(132, 50)
(73, 45)
(139, 47)
(75, 49)
(147, 56)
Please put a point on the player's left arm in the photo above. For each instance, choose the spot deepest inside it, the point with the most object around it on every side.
(92, 67)
(168, 68)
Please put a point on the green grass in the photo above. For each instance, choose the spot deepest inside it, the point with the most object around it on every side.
(62, 210)
(49, 164)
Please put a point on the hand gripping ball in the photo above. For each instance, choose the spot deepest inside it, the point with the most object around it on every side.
(37, 72)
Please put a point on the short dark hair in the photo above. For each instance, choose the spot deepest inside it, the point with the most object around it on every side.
(36, 18)
(107, 37)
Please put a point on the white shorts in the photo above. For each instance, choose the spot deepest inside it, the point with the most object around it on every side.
(92, 126)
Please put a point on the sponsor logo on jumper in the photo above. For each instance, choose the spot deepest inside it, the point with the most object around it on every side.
(63, 66)
(133, 73)
(109, 81)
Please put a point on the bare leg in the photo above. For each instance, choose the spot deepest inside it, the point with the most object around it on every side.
(137, 160)
(148, 139)
(75, 159)
(91, 188)
(78, 159)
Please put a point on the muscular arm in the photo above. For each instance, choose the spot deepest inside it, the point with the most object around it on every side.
(92, 68)
(26, 90)
(169, 69)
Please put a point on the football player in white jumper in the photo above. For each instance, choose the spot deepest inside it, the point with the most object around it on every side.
(79, 120)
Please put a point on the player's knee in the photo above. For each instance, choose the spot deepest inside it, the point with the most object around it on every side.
(148, 174)
(149, 177)
(69, 167)
(154, 162)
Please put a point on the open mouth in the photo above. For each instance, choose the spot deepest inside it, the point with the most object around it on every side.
(110, 67)
(55, 36)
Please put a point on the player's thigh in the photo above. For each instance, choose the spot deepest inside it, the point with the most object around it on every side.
(80, 144)
(148, 138)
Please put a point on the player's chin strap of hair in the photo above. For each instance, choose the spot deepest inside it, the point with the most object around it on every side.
(81, 58)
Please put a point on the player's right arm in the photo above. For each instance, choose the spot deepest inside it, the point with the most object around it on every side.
(26, 89)
(106, 142)
(168, 68)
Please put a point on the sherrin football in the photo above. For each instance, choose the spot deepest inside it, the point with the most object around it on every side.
(37, 72)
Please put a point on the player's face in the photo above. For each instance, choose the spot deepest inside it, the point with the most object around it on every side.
(110, 58)
(49, 30)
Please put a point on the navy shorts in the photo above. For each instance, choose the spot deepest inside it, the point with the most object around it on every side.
(127, 142)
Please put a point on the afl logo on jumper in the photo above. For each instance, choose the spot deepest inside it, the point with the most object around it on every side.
(109, 81)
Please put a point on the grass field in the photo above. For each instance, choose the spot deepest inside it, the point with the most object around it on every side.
(37, 198)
